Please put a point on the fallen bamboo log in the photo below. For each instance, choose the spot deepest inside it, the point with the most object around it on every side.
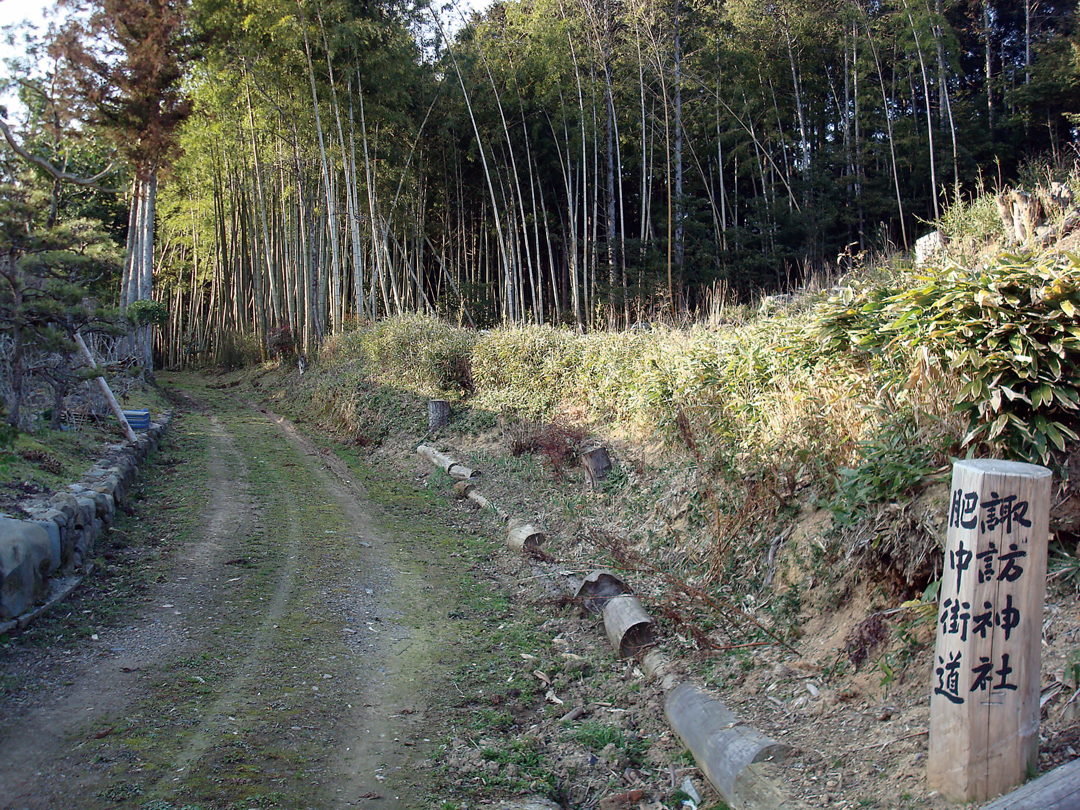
(730, 754)
(1057, 790)
(628, 626)
(524, 537)
(466, 489)
(452, 468)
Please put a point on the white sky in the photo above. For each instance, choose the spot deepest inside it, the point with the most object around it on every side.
(15, 11)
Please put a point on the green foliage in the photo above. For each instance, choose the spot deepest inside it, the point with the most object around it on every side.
(48, 272)
(424, 355)
(892, 463)
(147, 313)
(1008, 333)
(597, 736)
(1064, 567)
(527, 369)
(976, 221)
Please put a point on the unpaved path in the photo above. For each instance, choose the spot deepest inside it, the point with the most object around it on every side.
(277, 653)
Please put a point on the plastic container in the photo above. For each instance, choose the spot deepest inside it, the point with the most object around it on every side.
(138, 419)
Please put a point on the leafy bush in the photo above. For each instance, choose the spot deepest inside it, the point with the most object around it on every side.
(893, 462)
(1008, 332)
(422, 354)
(527, 369)
(147, 313)
(976, 221)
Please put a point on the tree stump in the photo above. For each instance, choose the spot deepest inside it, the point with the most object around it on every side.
(597, 464)
(438, 414)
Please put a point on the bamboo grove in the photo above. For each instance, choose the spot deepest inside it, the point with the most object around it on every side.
(587, 162)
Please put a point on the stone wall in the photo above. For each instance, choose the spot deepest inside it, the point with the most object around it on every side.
(42, 555)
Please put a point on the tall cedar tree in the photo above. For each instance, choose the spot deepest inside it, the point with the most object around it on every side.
(129, 58)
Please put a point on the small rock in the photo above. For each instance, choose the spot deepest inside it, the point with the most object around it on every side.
(621, 801)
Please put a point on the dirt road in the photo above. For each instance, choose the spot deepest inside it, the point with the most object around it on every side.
(257, 634)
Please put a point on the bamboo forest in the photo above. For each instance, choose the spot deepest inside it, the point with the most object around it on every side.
(277, 170)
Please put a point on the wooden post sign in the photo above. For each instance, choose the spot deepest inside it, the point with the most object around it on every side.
(984, 705)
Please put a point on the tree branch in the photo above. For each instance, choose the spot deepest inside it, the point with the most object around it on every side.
(89, 182)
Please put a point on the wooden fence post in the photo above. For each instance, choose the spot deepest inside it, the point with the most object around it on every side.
(984, 707)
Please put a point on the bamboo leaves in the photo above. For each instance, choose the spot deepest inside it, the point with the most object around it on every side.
(1008, 333)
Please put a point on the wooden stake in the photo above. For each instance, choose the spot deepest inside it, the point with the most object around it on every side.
(129, 434)
(984, 707)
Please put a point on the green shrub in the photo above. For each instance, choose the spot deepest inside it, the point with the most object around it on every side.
(1009, 333)
(976, 221)
(422, 354)
(892, 463)
(525, 368)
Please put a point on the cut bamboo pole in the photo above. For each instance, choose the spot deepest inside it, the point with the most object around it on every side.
(628, 626)
(729, 753)
(466, 489)
(129, 434)
(524, 537)
(598, 589)
(984, 708)
(452, 468)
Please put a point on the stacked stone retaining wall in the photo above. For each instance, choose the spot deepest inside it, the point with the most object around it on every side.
(42, 554)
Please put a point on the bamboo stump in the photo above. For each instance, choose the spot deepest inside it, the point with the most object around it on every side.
(984, 710)
(438, 414)
(598, 589)
(524, 538)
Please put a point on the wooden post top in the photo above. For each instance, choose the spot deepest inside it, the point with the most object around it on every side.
(1001, 467)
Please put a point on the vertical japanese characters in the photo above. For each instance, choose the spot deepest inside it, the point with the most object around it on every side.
(996, 569)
